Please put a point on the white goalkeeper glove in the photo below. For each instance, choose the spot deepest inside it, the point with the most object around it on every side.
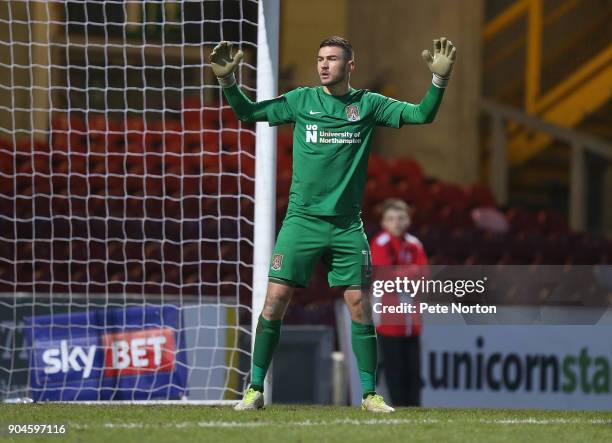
(224, 64)
(441, 62)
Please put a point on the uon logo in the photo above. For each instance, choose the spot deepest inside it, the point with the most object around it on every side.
(129, 353)
(311, 133)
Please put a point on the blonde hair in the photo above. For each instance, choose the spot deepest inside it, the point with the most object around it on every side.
(395, 203)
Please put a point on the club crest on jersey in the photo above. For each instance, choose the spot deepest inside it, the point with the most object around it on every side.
(277, 262)
(352, 113)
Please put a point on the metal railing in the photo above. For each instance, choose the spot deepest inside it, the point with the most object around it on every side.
(536, 23)
(580, 144)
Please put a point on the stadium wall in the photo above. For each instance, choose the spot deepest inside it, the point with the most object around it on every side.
(547, 365)
(492, 366)
(303, 25)
(388, 53)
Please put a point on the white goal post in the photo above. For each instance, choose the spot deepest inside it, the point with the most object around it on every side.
(265, 162)
(137, 214)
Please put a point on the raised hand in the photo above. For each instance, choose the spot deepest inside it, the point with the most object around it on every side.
(441, 61)
(224, 64)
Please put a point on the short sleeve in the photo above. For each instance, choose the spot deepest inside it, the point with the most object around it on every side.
(284, 107)
(387, 111)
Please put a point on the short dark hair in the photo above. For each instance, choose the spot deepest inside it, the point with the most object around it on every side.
(396, 204)
(341, 43)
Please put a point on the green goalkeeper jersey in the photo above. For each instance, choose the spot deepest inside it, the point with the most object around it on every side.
(331, 139)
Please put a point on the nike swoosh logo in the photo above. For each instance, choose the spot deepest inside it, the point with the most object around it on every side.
(313, 112)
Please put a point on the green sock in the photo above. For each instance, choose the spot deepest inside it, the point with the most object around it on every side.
(363, 338)
(266, 339)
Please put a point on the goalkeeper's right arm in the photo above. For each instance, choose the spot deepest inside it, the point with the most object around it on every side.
(224, 65)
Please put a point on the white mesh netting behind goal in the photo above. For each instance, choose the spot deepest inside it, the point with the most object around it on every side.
(126, 201)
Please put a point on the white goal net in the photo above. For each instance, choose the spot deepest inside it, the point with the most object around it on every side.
(126, 201)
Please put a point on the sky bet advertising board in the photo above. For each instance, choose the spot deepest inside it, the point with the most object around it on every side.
(107, 354)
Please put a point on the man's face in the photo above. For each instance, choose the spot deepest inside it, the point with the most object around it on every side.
(395, 222)
(332, 65)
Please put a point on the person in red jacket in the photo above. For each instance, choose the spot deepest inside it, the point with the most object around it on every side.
(399, 333)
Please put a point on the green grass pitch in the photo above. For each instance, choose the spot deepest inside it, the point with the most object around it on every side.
(292, 423)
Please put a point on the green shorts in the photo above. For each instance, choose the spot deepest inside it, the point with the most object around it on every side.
(339, 241)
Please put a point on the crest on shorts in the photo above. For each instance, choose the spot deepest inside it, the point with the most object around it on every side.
(352, 113)
(277, 262)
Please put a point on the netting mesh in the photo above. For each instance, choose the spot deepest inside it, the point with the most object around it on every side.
(126, 200)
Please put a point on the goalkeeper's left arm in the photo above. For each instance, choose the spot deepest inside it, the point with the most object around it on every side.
(440, 63)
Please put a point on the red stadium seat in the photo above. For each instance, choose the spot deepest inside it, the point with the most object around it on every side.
(6, 204)
(172, 206)
(247, 141)
(229, 162)
(197, 116)
(229, 139)
(285, 140)
(228, 118)
(451, 216)
(191, 207)
(247, 164)
(247, 185)
(172, 174)
(190, 185)
(210, 184)
(212, 142)
(550, 221)
(135, 127)
(211, 117)
(448, 194)
(480, 196)
(405, 169)
(377, 166)
(116, 163)
(7, 158)
(247, 210)
(521, 220)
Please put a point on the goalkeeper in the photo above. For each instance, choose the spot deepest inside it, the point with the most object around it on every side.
(333, 128)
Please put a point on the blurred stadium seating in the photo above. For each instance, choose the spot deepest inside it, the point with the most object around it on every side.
(129, 181)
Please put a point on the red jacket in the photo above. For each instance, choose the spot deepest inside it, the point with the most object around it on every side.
(388, 250)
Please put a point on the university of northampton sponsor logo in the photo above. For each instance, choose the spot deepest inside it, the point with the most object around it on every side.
(352, 113)
(277, 262)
